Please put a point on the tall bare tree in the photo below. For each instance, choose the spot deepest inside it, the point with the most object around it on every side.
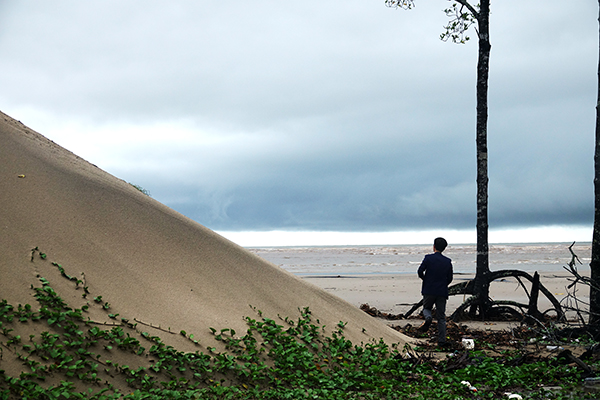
(595, 263)
(462, 15)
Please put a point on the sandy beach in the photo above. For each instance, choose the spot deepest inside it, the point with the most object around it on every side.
(385, 276)
(395, 294)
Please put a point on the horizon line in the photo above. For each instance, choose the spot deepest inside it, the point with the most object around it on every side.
(289, 238)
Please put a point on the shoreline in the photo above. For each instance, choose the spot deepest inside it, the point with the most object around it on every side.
(396, 293)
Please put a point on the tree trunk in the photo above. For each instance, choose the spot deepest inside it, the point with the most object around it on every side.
(595, 263)
(481, 288)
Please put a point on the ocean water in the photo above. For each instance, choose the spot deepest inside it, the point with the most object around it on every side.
(405, 259)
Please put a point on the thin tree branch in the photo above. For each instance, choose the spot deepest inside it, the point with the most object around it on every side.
(471, 9)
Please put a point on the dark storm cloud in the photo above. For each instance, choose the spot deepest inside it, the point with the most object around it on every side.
(314, 115)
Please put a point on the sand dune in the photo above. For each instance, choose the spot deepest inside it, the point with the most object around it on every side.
(147, 261)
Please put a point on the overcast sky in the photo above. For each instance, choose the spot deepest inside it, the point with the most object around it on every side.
(321, 115)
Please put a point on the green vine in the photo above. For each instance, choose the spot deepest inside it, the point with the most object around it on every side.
(77, 358)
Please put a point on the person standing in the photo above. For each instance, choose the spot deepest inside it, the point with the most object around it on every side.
(436, 273)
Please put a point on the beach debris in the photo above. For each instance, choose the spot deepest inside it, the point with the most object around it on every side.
(513, 396)
(374, 312)
(468, 343)
(469, 386)
(592, 383)
(21, 176)
(551, 389)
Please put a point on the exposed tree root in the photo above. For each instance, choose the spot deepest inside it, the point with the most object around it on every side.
(500, 309)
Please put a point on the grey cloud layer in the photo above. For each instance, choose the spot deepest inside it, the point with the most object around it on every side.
(318, 115)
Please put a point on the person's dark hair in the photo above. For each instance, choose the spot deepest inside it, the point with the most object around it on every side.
(440, 244)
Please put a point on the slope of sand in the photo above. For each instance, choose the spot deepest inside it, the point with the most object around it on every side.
(147, 261)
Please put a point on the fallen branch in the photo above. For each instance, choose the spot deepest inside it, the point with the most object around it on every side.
(570, 358)
(374, 312)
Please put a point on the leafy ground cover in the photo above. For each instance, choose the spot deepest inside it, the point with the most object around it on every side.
(61, 354)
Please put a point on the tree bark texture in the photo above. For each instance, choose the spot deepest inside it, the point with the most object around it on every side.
(481, 288)
(595, 263)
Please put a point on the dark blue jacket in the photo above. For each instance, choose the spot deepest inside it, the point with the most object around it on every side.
(436, 272)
